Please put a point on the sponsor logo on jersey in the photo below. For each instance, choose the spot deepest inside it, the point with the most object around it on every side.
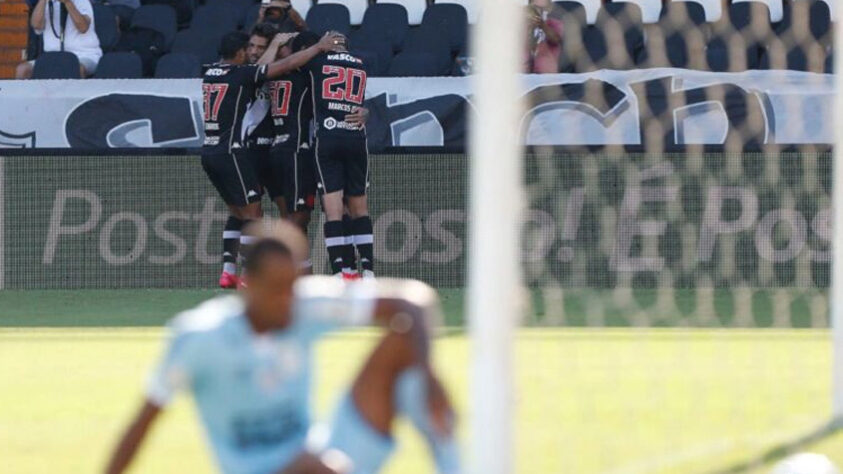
(263, 141)
(212, 126)
(281, 139)
(331, 123)
(212, 141)
(344, 57)
(216, 72)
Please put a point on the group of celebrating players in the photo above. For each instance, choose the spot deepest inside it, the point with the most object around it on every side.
(247, 358)
(284, 116)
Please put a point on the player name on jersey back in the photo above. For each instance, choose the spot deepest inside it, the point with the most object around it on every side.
(338, 82)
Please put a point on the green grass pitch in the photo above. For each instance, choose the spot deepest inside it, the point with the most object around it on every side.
(72, 365)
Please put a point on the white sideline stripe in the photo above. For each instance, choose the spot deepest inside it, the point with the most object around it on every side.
(691, 453)
(2, 223)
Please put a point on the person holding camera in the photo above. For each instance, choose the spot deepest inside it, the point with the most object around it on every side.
(66, 25)
(281, 14)
(545, 38)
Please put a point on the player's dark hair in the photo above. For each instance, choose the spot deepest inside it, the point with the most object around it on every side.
(260, 250)
(304, 40)
(265, 30)
(232, 43)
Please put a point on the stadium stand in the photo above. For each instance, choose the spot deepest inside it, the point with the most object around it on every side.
(820, 16)
(650, 9)
(416, 64)
(776, 8)
(430, 42)
(571, 12)
(356, 9)
(178, 66)
(415, 9)
(215, 19)
(678, 39)
(302, 6)
(56, 65)
(591, 7)
(13, 35)
(389, 20)
(375, 50)
(183, 8)
(472, 8)
(448, 18)
(713, 8)
(392, 34)
(251, 15)
(160, 18)
(194, 42)
(105, 23)
(749, 23)
(616, 23)
(324, 17)
(119, 65)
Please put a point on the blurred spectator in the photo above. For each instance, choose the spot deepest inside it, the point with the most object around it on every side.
(65, 25)
(282, 14)
(545, 41)
(124, 9)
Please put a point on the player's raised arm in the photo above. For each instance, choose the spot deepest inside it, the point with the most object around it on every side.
(173, 372)
(329, 42)
(410, 308)
(278, 42)
(131, 440)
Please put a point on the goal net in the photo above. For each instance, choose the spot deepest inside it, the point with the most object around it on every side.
(675, 243)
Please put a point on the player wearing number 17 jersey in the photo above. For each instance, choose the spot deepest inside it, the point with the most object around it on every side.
(338, 86)
(228, 87)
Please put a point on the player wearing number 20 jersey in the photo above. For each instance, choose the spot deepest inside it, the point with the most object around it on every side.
(338, 87)
(338, 84)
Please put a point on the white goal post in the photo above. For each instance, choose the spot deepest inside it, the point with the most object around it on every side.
(494, 286)
(836, 290)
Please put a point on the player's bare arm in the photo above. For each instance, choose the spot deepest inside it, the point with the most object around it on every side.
(411, 314)
(329, 43)
(131, 440)
(278, 42)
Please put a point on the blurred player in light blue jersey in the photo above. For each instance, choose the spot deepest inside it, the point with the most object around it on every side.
(247, 360)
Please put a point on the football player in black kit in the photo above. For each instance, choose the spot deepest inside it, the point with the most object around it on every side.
(228, 87)
(291, 111)
(257, 127)
(337, 87)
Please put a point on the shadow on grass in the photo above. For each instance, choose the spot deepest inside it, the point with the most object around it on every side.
(786, 448)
